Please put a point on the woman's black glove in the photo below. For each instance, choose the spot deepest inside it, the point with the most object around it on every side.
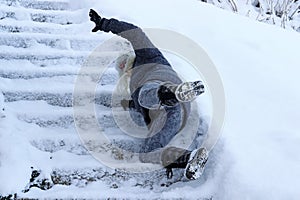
(94, 17)
(166, 96)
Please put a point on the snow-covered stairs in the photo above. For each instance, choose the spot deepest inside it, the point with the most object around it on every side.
(43, 45)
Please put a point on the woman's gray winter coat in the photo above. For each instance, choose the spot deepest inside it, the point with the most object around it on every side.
(150, 70)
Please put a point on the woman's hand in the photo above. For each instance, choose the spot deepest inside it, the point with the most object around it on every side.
(94, 17)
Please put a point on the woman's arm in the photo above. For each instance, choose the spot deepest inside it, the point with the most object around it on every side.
(144, 49)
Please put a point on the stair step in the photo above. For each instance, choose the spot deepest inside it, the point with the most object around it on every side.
(114, 179)
(55, 18)
(150, 177)
(65, 120)
(11, 70)
(9, 2)
(70, 143)
(52, 116)
(30, 71)
(19, 28)
(27, 40)
(113, 134)
(14, 26)
(57, 99)
(38, 4)
(49, 16)
(45, 5)
(7, 14)
(40, 28)
(44, 57)
(79, 177)
(76, 146)
(62, 42)
(58, 144)
(85, 170)
(63, 100)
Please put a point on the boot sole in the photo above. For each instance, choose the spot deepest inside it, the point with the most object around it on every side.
(196, 164)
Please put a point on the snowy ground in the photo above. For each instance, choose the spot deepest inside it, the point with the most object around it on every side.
(257, 156)
(281, 13)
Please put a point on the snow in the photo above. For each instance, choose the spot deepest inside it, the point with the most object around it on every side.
(257, 155)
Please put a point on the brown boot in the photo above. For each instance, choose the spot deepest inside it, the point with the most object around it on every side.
(173, 157)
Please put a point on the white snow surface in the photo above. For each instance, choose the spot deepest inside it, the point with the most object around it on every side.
(257, 155)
